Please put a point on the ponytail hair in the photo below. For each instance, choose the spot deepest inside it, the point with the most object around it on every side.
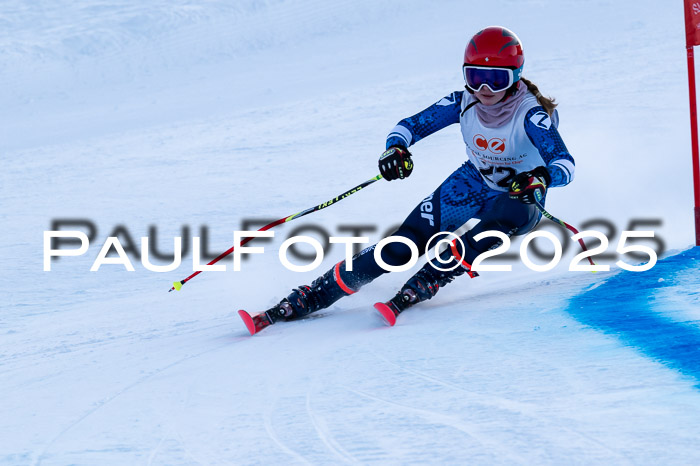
(546, 102)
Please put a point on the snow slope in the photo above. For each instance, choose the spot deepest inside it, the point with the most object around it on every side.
(190, 114)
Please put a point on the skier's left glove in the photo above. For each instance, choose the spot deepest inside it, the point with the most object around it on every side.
(530, 186)
(395, 163)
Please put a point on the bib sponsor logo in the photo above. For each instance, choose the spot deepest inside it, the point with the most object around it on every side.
(497, 146)
(493, 145)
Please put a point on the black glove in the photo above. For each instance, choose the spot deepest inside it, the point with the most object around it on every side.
(528, 187)
(395, 163)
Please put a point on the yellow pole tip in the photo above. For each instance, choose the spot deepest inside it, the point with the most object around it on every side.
(177, 285)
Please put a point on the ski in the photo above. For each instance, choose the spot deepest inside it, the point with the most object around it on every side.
(391, 309)
(388, 311)
(255, 323)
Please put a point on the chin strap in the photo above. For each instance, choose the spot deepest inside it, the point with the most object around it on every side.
(468, 107)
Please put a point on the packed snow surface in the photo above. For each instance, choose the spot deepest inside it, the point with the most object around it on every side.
(185, 118)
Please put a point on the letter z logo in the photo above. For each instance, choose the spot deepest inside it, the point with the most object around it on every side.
(541, 120)
(445, 101)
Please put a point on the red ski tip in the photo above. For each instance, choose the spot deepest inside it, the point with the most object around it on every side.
(248, 321)
(387, 313)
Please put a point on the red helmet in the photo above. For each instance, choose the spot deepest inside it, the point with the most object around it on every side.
(495, 46)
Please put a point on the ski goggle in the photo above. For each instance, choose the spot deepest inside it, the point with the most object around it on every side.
(496, 79)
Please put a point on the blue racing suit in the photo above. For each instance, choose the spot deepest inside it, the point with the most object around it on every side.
(479, 188)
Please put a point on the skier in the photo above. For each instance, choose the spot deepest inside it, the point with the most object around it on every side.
(514, 154)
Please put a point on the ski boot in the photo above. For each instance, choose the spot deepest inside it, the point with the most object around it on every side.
(420, 287)
(323, 292)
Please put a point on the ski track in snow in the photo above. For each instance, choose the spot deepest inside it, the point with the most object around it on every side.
(326, 436)
(41, 456)
(515, 408)
(269, 427)
(432, 417)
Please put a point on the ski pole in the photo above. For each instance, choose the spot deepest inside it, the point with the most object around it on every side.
(178, 285)
(562, 223)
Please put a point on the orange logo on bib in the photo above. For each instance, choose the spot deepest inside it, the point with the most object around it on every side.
(494, 145)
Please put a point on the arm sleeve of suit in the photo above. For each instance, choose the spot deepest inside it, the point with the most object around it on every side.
(441, 114)
(542, 131)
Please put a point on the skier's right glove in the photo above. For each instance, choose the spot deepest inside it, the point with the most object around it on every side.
(530, 187)
(395, 163)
